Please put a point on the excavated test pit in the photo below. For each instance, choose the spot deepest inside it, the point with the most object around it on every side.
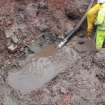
(40, 70)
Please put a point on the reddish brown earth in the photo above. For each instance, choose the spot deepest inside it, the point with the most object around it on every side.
(73, 75)
(24, 21)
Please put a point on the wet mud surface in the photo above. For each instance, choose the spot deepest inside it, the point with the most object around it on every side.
(42, 69)
(64, 76)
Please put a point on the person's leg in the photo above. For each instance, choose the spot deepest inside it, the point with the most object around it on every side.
(100, 37)
(104, 40)
(91, 18)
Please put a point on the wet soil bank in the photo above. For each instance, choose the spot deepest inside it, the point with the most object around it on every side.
(39, 74)
(69, 76)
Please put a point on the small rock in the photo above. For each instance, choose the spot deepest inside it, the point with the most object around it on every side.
(43, 4)
(15, 39)
(69, 27)
(32, 9)
(8, 33)
(99, 58)
(63, 90)
(12, 47)
(43, 27)
(101, 76)
(9, 22)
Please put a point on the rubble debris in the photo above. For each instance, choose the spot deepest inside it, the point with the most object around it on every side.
(72, 11)
(72, 75)
(12, 48)
(99, 58)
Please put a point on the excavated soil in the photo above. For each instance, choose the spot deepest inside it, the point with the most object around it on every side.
(37, 72)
